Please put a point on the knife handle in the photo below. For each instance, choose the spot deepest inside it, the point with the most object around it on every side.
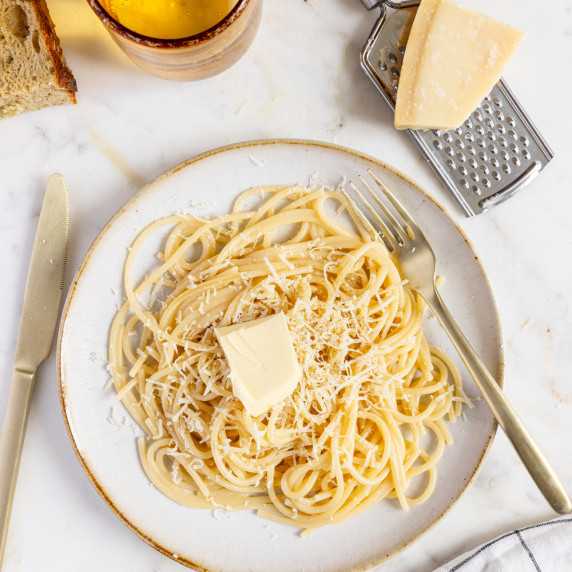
(11, 441)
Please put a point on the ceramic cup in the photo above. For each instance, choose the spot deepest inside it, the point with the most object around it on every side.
(195, 57)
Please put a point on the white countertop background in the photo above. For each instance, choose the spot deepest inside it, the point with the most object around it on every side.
(300, 79)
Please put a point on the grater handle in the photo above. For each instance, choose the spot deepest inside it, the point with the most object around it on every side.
(400, 5)
(371, 4)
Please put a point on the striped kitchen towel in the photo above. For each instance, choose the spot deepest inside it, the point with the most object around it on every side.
(544, 547)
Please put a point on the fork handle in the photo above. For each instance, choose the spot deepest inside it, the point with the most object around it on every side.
(522, 441)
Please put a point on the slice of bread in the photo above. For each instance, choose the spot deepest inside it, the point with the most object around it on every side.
(33, 71)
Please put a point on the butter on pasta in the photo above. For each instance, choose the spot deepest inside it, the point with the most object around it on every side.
(263, 365)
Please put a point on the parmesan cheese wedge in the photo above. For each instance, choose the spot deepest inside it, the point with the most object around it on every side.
(454, 57)
(264, 369)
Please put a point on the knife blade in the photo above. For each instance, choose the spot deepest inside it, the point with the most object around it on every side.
(42, 299)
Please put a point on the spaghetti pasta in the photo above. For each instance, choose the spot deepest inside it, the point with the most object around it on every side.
(367, 418)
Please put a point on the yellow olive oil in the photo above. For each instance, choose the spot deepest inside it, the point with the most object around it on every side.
(168, 19)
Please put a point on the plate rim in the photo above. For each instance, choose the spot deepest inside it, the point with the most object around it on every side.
(148, 187)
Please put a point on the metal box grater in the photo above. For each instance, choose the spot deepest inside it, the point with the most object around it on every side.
(494, 154)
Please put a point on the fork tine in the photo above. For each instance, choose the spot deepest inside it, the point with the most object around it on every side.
(411, 227)
(363, 220)
(357, 215)
(398, 230)
(390, 236)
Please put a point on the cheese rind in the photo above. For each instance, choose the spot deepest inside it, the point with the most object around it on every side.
(454, 57)
(264, 369)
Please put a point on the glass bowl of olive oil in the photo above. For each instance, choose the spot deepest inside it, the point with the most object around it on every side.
(182, 40)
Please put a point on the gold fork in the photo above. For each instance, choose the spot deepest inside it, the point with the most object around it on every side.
(402, 236)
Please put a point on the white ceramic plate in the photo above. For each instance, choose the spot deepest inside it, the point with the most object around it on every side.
(104, 437)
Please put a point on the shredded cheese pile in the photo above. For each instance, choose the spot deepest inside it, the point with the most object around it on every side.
(354, 430)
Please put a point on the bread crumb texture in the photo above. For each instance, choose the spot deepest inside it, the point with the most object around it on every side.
(33, 71)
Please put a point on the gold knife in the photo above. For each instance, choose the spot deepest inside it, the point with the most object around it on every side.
(40, 311)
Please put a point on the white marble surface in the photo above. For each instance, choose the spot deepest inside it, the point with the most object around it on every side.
(300, 79)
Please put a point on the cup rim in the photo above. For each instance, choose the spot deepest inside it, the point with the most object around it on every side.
(111, 23)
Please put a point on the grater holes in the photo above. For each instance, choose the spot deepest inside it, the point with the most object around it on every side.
(394, 71)
(401, 50)
(392, 58)
(486, 152)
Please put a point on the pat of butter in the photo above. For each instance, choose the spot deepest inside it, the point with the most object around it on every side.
(453, 58)
(263, 365)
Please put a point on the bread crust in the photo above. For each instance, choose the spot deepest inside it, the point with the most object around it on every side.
(64, 76)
